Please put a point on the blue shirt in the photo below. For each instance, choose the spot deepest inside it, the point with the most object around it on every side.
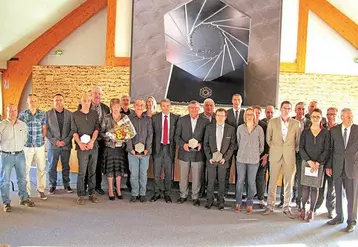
(34, 125)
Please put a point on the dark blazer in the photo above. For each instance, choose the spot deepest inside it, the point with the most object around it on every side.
(228, 145)
(105, 110)
(231, 117)
(340, 155)
(53, 130)
(184, 133)
(128, 113)
(157, 132)
(266, 146)
(306, 122)
(213, 120)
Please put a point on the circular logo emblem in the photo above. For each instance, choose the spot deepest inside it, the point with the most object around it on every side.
(205, 92)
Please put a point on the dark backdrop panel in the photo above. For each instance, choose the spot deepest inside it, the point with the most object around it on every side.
(150, 70)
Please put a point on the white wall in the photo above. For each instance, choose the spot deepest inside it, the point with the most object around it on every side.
(123, 33)
(327, 51)
(85, 46)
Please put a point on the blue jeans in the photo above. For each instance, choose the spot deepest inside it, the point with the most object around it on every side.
(9, 161)
(243, 170)
(53, 155)
(138, 166)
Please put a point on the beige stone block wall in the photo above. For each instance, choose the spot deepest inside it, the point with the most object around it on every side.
(73, 81)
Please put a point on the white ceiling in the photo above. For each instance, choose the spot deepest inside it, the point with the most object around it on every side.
(22, 21)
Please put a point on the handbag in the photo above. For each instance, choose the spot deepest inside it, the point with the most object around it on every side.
(311, 181)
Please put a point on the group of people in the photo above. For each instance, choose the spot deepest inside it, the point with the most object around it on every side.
(311, 152)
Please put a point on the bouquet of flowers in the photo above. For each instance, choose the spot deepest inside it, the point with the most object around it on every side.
(122, 131)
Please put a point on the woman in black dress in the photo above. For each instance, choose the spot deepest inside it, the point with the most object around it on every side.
(114, 154)
(314, 150)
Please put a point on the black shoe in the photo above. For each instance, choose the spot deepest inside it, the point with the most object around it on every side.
(208, 205)
(280, 205)
(156, 197)
(69, 190)
(335, 221)
(221, 206)
(168, 199)
(196, 203)
(262, 206)
(181, 200)
(52, 190)
(330, 214)
(120, 197)
(143, 199)
(133, 199)
(100, 191)
(350, 227)
(293, 199)
(111, 198)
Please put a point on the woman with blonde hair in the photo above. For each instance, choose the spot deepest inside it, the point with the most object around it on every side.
(250, 142)
(151, 105)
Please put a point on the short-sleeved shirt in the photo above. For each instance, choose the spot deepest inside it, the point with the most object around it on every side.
(34, 124)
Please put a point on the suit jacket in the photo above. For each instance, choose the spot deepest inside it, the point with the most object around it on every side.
(157, 132)
(231, 117)
(228, 145)
(184, 133)
(213, 120)
(306, 122)
(53, 133)
(266, 146)
(344, 156)
(279, 149)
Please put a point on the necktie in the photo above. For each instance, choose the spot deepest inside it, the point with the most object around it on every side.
(166, 131)
(345, 137)
(219, 137)
(236, 117)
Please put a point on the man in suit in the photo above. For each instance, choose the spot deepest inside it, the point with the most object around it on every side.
(313, 105)
(189, 136)
(297, 192)
(102, 110)
(59, 143)
(343, 166)
(332, 113)
(164, 125)
(283, 136)
(269, 112)
(263, 167)
(209, 107)
(219, 137)
(235, 117)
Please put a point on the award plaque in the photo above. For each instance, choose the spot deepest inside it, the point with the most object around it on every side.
(217, 156)
(139, 148)
(193, 143)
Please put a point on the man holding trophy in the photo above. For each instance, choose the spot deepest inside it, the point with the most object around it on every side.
(219, 146)
(139, 149)
(189, 136)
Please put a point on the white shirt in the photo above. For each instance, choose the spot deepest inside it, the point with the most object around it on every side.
(219, 136)
(284, 129)
(348, 133)
(193, 123)
(161, 141)
(12, 137)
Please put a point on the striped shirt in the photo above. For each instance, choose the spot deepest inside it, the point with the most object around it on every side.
(34, 124)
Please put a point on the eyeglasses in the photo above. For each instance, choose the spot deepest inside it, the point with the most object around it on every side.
(316, 117)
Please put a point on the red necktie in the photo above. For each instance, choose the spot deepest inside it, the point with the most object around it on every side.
(166, 131)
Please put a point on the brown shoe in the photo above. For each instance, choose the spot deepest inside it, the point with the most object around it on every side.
(81, 200)
(289, 213)
(7, 208)
(303, 214)
(237, 208)
(42, 195)
(28, 203)
(309, 216)
(93, 198)
(249, 210)
(267, 211)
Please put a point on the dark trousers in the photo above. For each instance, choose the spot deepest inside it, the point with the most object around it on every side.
(227, 178)
(351, 188)
(219, 172)
(261, 181)
(53, 155)
(99, 161)
(87, 161)
(164, 161)
(330, 196)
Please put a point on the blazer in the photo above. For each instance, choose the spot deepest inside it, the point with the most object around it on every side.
(231, 117)
(228, 145)
(53, 130)
(213, 120)
(344, 156)
(266, 146)
(279, 149)
(184, 133)
(157, 133)
(306, 122)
